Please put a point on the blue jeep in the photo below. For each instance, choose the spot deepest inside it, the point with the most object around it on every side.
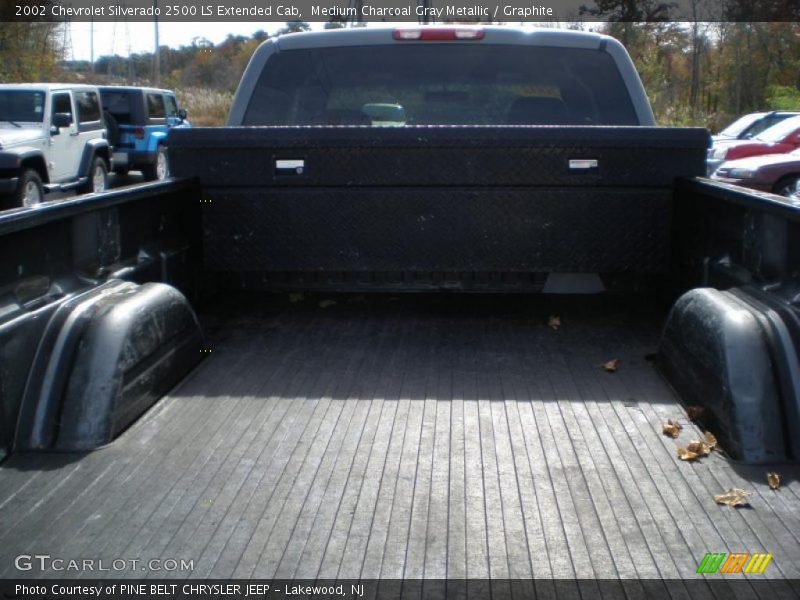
(138, 120)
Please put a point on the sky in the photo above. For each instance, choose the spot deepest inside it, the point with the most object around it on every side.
(119, 38)
(122, 38)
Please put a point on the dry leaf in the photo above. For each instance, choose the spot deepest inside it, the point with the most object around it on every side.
(733, 497)
(327, 303)
(611, 366)
(774, 480)
(710, 440)
(554, 322)
(694, 412)
(295, 297)
(686, 454)
(671, 428)
(698, 447)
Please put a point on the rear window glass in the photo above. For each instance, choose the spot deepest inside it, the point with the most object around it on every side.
(120, 105)
(88, 107)
(779, 131)
(155, 106)
(766, 123)
(741, 125)
(438, 84)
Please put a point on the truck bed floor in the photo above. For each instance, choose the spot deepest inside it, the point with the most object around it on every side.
(406, 438)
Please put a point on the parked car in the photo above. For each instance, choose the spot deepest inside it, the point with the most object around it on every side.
(140, 119)
(778, 139)
(776, 173)
(752, 124)
(52, 138)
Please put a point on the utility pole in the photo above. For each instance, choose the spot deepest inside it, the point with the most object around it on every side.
(66, 41)
(91, 44)
(425, 4)
(157, 54)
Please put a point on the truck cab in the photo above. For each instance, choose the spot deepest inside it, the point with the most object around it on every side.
(143, 118)
(52, 138)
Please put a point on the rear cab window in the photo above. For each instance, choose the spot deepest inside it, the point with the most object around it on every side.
(435, 84)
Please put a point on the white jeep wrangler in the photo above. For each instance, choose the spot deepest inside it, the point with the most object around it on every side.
(52, 137)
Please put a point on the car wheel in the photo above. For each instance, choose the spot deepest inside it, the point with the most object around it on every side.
(786, 186)
(30, 190)
(158, 171)
(98, 178)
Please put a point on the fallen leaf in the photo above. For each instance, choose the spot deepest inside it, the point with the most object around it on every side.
(611, 366)
(694, 412)
(295, 297)
(554, 322)
(686, 454)
(671, 428)
(698, 447)
(733, 497)
(710, 439)
(774, 480)
(327, 303)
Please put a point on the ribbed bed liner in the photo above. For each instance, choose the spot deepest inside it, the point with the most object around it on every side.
(410, 437)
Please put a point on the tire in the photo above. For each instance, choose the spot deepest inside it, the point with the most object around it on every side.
(98, 178)
(112, 128)
(30, 191)
(158, 171)
(786, 186)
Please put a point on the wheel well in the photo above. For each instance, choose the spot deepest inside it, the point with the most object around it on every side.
(90, 153)
(783, 180)
(37, 164)
(104, 154)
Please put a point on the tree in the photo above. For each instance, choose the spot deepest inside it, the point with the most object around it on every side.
(762, 11)
(294, 27)
(30, 51)
(630, 11)
(336, 22)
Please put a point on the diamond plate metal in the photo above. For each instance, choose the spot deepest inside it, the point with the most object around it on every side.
(435, 229)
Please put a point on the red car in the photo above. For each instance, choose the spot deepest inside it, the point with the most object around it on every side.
(778, 139)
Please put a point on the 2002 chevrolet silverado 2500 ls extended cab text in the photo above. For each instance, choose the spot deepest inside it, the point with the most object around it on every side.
(339, 425)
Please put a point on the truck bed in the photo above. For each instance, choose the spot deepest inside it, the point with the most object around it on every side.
(409, 437)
